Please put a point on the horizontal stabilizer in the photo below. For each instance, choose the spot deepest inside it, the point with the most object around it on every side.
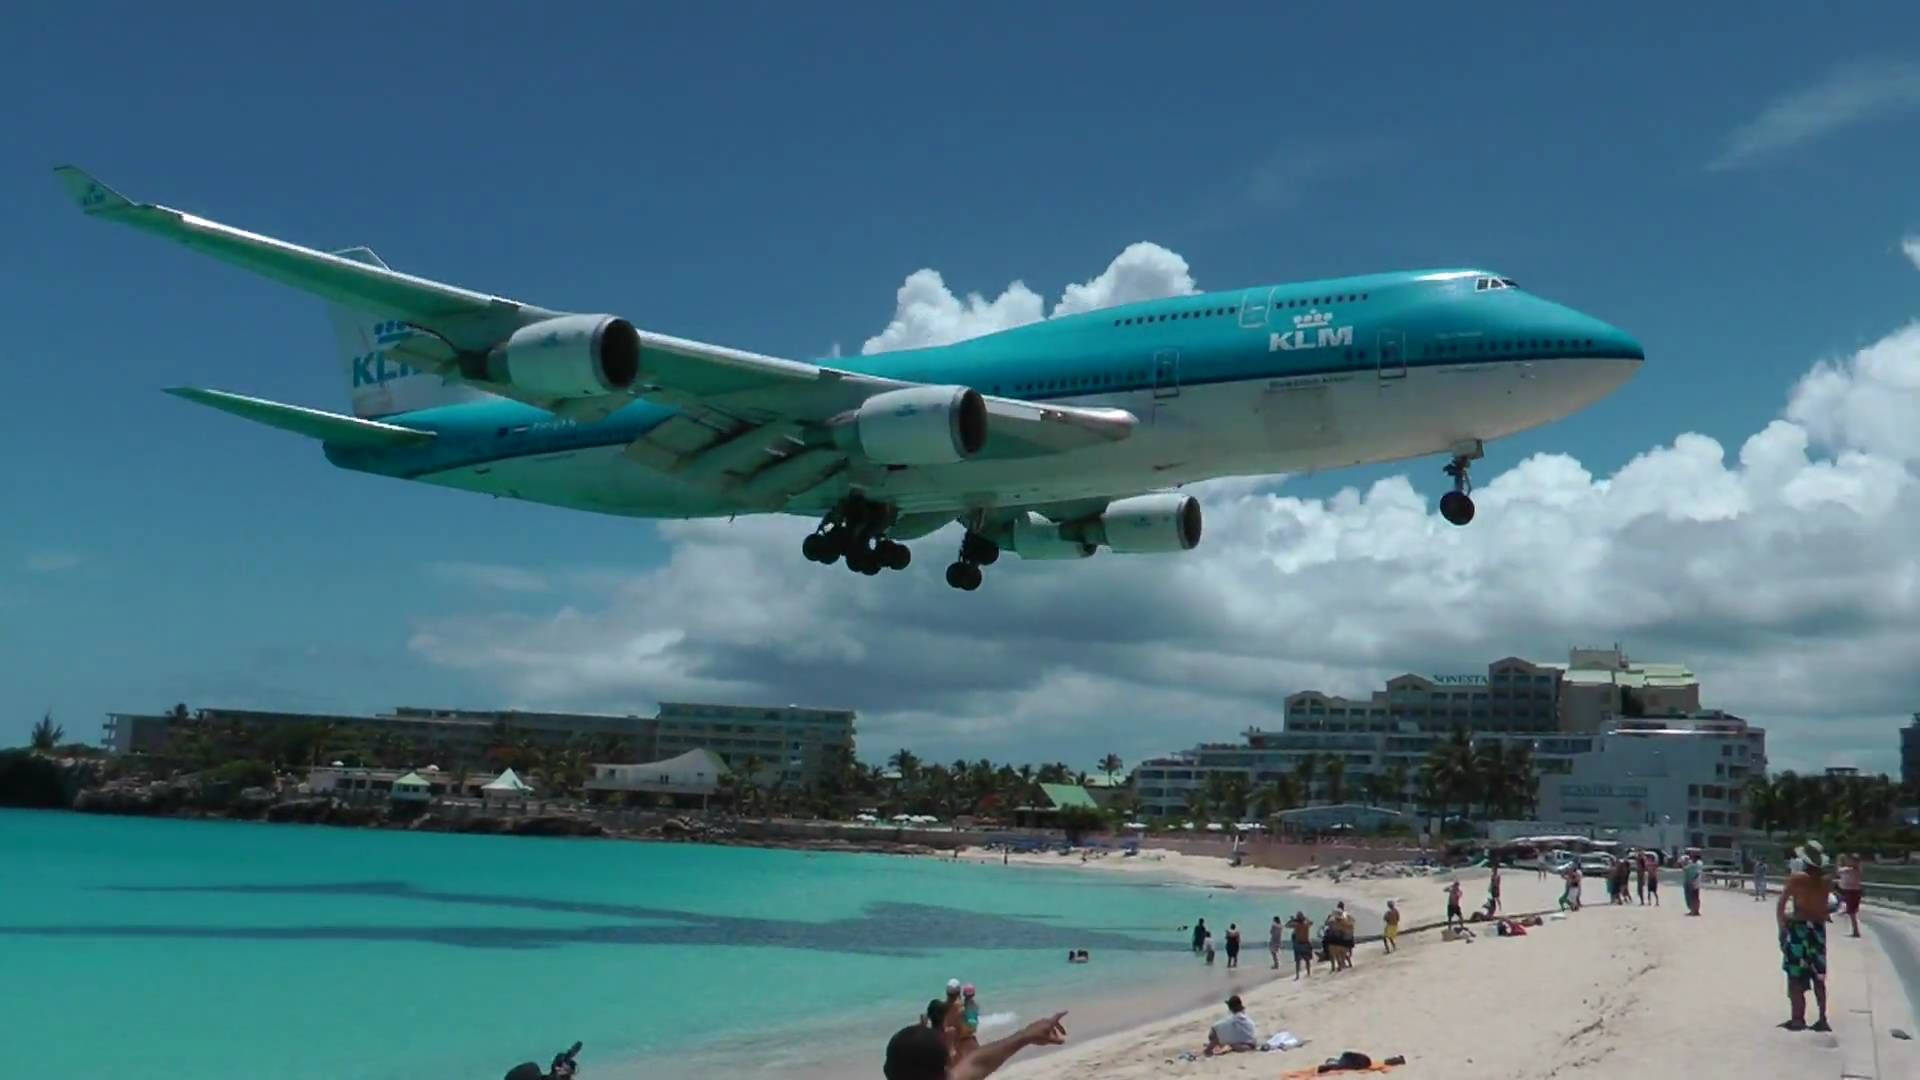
(328, 427)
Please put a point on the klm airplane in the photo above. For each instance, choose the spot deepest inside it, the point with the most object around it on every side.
(1049, 441)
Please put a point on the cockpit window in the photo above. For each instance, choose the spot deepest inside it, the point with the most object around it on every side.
(1488, 283)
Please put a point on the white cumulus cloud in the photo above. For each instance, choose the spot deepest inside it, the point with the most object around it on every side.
(1782, 569)
(927, 312)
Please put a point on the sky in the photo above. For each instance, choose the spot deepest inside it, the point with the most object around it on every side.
(1735, 190)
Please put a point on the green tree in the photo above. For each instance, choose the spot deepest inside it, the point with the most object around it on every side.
(1109, 765)
(1336, 778)
(46, 734)
(1280, 793)
(1397, 776)
(1303, 770)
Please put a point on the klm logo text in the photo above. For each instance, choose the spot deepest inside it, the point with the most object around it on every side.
(1320, 338)
(374, 368)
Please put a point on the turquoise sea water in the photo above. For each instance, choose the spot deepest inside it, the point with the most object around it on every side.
(171, 949)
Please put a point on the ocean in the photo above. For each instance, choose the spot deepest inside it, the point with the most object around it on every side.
(166, 950)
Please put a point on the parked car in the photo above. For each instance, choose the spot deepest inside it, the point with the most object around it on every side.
(1596, 862)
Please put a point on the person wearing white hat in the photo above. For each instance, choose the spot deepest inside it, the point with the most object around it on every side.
(1803, 936)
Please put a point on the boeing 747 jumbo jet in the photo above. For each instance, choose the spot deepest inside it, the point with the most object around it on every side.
(1050, 440)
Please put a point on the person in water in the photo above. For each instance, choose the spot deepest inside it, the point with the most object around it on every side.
(1199, 935)
(1276, 939)
(1803, 936)
(1233, 945)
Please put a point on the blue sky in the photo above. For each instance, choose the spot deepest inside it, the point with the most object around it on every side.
(1732, 189)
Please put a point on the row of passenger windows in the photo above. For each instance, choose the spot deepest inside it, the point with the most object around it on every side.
(1208, 313)
(1079, 382)
(1484, 348)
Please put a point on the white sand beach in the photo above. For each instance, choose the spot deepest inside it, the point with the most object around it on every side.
(1608, 991)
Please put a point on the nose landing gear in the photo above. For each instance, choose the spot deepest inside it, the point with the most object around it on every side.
(1457, 505)
(975, 551)
(856, 530)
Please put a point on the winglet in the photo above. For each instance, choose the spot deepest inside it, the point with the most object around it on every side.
(89, 194)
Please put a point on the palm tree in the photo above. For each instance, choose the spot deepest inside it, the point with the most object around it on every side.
(1378, 789)
(1303, 771)
(1490, 772)
(1762, 806)
(1109, 765)
(1336, 778)
(906, 764)
(46, 734)
(1450, 768)
(1280, 793)
(1397, 782)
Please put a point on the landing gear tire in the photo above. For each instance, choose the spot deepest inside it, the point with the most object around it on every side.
(963, 576)
(893, 554)
(817, 547)
(1457, 505)
(864, 560)
(979, 550)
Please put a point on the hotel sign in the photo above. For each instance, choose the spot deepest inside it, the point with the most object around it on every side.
(1459, 680)
(1603, 791)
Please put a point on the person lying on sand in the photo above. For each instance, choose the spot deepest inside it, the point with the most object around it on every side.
(1233, 1035)
(916, 1053)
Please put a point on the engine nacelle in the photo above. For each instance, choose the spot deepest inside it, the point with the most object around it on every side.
(1150, 524)
(572, 356)
(1033, 537)
(918, 425)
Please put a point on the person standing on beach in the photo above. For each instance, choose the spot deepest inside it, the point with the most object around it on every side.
(1199, 935)
(1233, 945)
(1276, 938)
(1690, 884)
(1392, 931)
(1640, 876)
(1302, 943)
(1453, 905)
(1851, 889)
(1653, 877)
(1493, 890)
(1759, 879)
(1803, 937)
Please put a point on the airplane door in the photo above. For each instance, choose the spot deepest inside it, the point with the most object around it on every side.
(1393, 355)
(1166, 373)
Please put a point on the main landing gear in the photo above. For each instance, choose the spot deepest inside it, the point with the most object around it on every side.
(856, 530)
(976, 551)
(1457, 505)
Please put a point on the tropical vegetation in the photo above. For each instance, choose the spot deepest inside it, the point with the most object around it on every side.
(1844, 812)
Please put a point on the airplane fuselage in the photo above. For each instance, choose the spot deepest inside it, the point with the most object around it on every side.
(1280, 379)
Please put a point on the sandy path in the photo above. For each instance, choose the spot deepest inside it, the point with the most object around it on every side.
(1610, 991)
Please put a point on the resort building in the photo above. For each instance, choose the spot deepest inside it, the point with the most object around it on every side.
(1615, 744)
(787, 744)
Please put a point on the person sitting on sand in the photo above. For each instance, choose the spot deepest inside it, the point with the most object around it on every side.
(1233, 1035)
(916, 1053)
(1803, 937)
(1302, 943)
(1391, 933)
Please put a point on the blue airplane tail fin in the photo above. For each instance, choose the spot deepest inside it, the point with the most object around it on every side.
(379, 382)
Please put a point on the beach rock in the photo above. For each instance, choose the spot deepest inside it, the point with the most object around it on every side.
(251, 802)
(311, 810)
(556, 825)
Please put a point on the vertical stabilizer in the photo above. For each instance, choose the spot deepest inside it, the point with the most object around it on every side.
(378, 383)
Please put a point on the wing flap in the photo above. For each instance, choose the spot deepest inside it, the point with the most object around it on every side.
(328, 427)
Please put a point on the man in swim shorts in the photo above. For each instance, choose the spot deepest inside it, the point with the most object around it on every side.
(1803, 936)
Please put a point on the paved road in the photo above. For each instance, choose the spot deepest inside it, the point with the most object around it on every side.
(1898, 939)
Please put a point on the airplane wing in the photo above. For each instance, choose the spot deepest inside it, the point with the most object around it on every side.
(740, 412)
(313, 423)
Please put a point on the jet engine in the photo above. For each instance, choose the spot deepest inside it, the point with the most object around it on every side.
(572, 356)
(1033, 537)
(918, 425)
(1150, 524)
